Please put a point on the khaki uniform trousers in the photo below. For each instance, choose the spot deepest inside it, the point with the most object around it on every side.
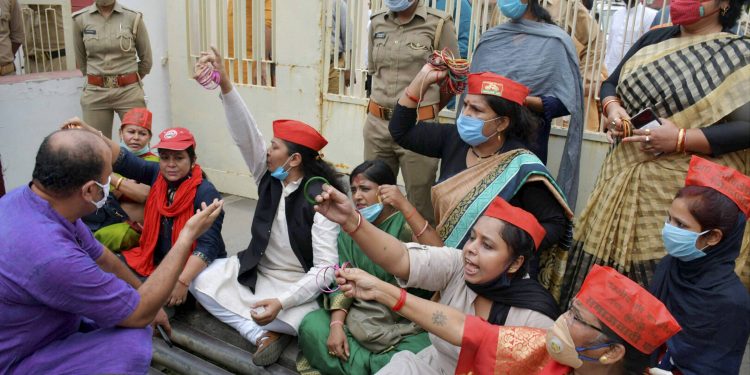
(418, 170)
(99, 104)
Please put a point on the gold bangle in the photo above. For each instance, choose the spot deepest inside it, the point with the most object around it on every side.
(680, 140)
(119, 182)
(183, 283)
(607, 103)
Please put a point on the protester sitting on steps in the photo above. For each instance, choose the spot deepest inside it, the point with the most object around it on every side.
(488, 278)
(68, 305)
(350, 336)
(599, 334)
(266, 290)
(118, 225)
(178, 187)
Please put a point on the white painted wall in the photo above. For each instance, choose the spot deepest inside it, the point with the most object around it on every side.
(28, 112)
(35, 105)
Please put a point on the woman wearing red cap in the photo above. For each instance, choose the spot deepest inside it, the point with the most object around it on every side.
(599, 334)
(266, 290)
(178, 187)
(484, 156)
(697, 280)
(488, 278)
(119, 228)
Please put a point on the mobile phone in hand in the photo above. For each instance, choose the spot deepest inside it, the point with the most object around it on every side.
(645, 119)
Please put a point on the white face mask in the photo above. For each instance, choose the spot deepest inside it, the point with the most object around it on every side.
(105, 193)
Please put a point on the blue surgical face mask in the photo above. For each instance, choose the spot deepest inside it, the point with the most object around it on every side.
(470, 129)
(105, 193)
(140, 152)
(680, 243)
(371, 213)
(398, 5)
(280, 173)
(513, 9)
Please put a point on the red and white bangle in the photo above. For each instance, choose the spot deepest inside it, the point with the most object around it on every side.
(336, 322)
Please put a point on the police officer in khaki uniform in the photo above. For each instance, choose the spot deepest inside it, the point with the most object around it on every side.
(402, 37)
(114, 53)
(11, 35)
(45, 39)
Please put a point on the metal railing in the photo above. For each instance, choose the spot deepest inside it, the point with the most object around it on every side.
(598, 34)
(242, 30)
(48, 37)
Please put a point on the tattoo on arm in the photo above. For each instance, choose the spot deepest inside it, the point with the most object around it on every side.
(438, 318)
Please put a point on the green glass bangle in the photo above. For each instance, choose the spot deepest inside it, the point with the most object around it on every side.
(307, 185)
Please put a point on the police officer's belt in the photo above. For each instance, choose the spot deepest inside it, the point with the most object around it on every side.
(425, 112)
(113, 81)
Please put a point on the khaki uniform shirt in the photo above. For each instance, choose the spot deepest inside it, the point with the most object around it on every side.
(109, 46)
(44, 29)
(397, 51)
(11, 29)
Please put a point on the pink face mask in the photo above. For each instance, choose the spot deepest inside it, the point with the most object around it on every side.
(687, 12)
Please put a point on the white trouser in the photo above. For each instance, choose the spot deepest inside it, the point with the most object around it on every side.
(250, 330)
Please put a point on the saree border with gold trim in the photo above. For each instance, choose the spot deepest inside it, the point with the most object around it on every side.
(460, 200)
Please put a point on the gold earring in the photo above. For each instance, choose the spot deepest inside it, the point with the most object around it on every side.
(724, 11)
(603, 359)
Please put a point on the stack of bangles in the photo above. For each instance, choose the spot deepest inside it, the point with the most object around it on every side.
(627, 128)
(335, 267)
(209, 77)
(681, 141)
(458, 70)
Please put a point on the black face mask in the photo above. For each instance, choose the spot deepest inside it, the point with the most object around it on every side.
(505, 292)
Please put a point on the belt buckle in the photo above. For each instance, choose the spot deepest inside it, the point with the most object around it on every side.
(387, 112)
(110, 82)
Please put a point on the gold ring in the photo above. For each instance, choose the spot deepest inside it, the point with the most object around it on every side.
(648, 139)
(612, 123)
(331, 353)
(648, 131)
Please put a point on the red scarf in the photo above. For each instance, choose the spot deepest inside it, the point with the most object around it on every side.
(141, 258)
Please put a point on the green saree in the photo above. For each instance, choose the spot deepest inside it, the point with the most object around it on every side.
(314, 329)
